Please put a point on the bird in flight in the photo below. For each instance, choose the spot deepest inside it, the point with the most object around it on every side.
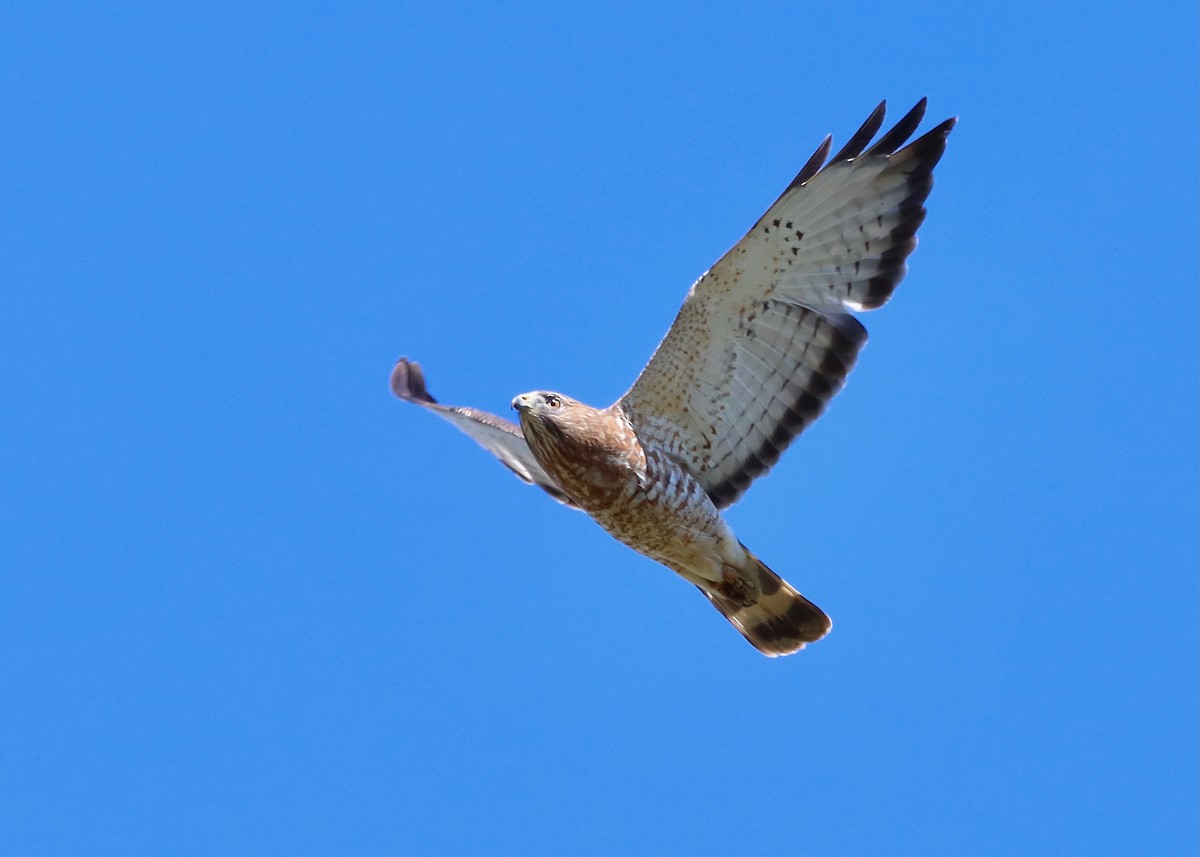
(764, 339)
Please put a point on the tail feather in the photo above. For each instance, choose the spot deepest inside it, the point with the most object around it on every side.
(780, 621)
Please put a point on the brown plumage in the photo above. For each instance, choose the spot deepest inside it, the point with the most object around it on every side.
(761, 344)
(647, 500)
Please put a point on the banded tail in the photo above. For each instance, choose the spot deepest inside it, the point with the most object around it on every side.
(779, 621)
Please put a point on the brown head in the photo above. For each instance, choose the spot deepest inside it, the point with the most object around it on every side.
(575, 443)
(549, 418)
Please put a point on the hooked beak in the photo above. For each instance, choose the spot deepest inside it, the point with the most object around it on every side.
(522, 402)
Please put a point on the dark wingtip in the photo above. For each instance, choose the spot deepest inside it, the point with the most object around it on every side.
(408, 382)
(858, 141)
(946, 127)
(814, 164)
(894, 139)
(929, 147)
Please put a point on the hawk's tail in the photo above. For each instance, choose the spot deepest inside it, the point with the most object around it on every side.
(780, 620)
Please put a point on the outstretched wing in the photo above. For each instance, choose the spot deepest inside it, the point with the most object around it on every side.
(765, 338)
(497, 435)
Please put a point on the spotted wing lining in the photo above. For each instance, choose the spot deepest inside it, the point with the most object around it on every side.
(765, 338)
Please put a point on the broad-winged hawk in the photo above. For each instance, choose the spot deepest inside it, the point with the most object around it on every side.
(763, 341)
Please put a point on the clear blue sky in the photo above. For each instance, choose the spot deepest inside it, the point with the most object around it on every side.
(252, 604)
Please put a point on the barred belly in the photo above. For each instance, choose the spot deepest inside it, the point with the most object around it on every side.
(666, 515)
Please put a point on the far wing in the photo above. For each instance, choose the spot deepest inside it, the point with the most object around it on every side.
(765, 338)
(497, 435)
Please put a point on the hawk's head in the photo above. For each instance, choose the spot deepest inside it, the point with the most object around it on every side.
(583, 449)
(542, 403)
(553, 417)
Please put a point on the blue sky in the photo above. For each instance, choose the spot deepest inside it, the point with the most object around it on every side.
(252, 604)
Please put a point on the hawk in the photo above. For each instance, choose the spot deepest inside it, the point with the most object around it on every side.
(762, 342)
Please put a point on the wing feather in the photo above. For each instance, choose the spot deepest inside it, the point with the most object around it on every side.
(765, 338)
(500, 437)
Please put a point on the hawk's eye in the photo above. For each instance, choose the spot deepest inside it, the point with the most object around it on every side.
(553, 401)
